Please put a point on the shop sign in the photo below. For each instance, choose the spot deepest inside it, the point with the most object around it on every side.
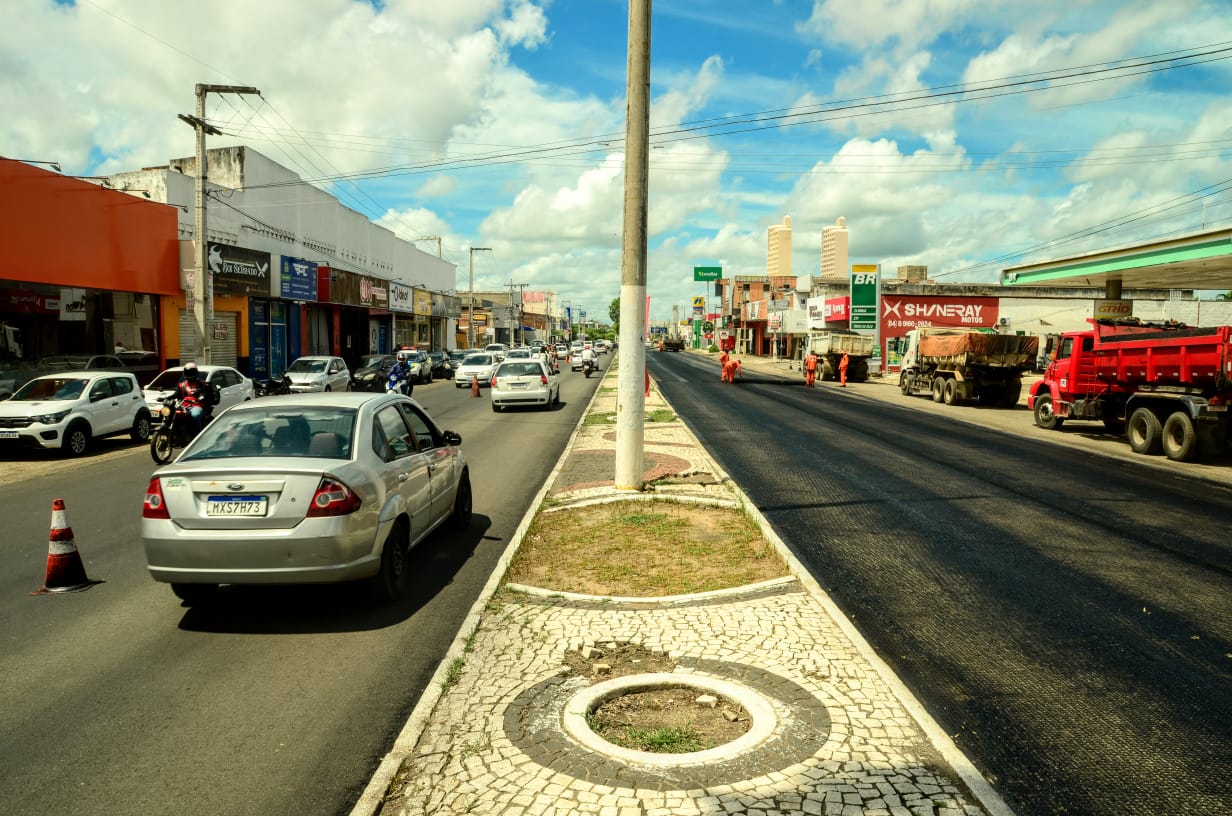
(72, 304)
(297, 279)
(446, 305)
(28, 301)
(422, 303)
(865, 286)
(1113, 309)
(373, 293)
(400, 297)
(902, 313)
(239, 271)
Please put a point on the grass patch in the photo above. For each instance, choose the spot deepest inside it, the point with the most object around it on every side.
(661, 415)
(597, 418)
(453, 674)
(644, 549)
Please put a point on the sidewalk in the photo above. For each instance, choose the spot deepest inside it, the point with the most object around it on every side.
(504, 731)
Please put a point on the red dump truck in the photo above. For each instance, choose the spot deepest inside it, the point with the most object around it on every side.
(956, 364)
(1165, 386)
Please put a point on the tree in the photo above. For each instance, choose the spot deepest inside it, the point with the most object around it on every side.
(614, 311)
(1224, 296)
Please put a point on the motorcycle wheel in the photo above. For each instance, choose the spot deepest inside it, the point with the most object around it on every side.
(160, 446)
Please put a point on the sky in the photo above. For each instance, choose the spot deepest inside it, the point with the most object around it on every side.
(964, 135)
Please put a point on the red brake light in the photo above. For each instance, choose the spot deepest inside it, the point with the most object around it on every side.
(332, 498)
(493, 382)
(154, 506)
(543, 378)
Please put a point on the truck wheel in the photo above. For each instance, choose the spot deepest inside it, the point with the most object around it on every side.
(859, 371)
(1180, 440)
(1013, 393)
(938, 387)
(1045, 417)
(904, 385)
(1144, 431)
(949, 392)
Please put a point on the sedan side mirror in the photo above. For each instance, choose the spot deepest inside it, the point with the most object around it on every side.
(452, 437)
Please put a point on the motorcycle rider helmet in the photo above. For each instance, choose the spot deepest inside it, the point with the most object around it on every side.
(403, 356)
(191, 372)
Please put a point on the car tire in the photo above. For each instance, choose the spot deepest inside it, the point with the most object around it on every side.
(389, 583)
(195, 594)
(141, 428)
(938, 386)
(460, 518)
(76, 439)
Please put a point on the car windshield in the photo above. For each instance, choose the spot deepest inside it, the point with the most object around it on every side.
(527, 369)
(52, 388)
(372, 361)
(478, 360)
(306, 366)
(166, 381)
(306, 432)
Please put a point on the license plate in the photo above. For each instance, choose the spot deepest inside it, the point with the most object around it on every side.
(1217, 408)
(235, 506)
(8, 434)
(516, 385)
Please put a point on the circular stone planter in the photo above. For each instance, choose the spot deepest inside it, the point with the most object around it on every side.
(591, 697)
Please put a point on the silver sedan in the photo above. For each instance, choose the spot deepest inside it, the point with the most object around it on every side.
(311, 488)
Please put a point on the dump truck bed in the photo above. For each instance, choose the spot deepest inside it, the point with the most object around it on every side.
(959, 349)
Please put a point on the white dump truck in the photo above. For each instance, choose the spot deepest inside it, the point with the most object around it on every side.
(832, 345)
(957, 364)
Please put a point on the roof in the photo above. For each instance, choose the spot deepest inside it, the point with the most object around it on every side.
(1197, 261)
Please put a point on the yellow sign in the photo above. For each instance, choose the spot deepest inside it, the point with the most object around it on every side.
(699, 301)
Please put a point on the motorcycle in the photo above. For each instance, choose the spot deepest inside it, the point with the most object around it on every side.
(175, 430)
(395, 384)
(272, 387)
(589, 366)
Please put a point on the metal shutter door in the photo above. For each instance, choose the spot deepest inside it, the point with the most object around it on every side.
(224, 350)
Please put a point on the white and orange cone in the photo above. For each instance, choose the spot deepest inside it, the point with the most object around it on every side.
(474, 385)
(65, 571)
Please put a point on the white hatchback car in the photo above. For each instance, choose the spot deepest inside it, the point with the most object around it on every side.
(69, 409)
(319, 373)
(233, 387)
(524, 382)
(479, 366)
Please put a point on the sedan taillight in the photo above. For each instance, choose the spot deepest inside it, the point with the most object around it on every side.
(333, 498)
(154, 507)
(543, 378)
(493, 382)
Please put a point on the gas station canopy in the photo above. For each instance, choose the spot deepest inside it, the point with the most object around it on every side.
(1198, 261)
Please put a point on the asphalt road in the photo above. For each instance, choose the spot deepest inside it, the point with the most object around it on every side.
(118, 700)
(1061, 609)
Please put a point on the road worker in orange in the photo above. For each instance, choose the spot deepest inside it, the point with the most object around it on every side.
(735, 371)
(724, 359)
(842, 370)
(810, 369)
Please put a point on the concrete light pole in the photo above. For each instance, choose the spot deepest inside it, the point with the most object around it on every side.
(470, 314)
(630, 396)
(202, 293)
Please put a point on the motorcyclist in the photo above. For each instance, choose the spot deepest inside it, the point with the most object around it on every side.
(400, 373)
(588, 358)
(197, 397)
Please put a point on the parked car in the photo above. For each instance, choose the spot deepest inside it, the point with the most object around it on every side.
(68, 411)
(144, 365)
(457, 356)
(319, 373)
(421, 367)
(82, 362)
(308, 488)
(479, 365)
(372, 372)
(442, 369)
(524, 382)
(231, 386)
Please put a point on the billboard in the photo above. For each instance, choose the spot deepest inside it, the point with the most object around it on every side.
(864, 289)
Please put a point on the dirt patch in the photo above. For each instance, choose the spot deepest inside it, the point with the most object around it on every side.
(644, 549)
(669, 720)
(612, 659)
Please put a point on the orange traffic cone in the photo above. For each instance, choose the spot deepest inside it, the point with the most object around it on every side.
(65, 572)
(474, 385)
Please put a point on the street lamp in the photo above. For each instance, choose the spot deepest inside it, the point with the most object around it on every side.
(470, 315)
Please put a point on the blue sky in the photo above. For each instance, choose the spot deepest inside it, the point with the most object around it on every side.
(965, 188)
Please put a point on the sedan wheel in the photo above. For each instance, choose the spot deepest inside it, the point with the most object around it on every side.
(141, 428)
(460, 519)
(389, 584)
(76, 439)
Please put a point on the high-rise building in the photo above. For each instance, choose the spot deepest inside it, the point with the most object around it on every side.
(834, 250)
(778, 249)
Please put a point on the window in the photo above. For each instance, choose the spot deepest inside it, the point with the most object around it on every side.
(425, 433)
(121, 385)
(100, 390)
(390, 439)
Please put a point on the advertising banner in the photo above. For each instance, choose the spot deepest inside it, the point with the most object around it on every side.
(902, 313)
(400, 297)
(864, 290)
(297, 279)
(1113, 309)
(239, 271)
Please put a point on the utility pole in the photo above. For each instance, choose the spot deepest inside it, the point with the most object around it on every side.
(514, 339)
(632, 378)
(470, 314)
(202, 289)
(436, 238)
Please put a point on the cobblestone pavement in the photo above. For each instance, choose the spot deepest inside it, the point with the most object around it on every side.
(846, 738)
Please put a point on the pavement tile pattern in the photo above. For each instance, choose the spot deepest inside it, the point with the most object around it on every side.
(844, 743)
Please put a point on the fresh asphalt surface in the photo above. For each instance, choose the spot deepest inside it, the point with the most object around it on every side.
(1064, 615)
(118, 700)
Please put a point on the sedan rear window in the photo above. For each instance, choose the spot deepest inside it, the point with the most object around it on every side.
(278, 433)
(519, 370)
